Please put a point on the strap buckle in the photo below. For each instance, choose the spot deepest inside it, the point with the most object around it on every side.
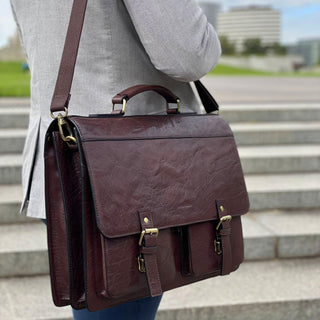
(151, 231)
(123, 110)
(223, 219)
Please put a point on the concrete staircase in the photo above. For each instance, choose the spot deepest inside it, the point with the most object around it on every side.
(279, 146)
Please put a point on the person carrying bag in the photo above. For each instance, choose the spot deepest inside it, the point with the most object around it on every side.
(128, 197)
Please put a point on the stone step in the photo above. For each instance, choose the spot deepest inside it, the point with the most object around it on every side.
(15, 117)
(283, 191)
(265, 133)
(280, 158)
(266, 192)
(10, 168)
(267, 235)
(264, 290)
(10, 202)
(270, 112)
(254, 159)
(14, 102)
(12, 140)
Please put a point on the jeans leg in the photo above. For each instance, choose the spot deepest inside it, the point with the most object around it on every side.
(142, 309)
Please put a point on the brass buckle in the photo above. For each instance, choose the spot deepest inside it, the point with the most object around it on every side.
(152, 231)
(223, 219)
(141, 264)
(123, 110)
(178, 105)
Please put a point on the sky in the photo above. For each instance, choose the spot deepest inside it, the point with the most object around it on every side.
(300, 18)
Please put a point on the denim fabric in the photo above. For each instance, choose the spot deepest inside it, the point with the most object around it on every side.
(143, 309)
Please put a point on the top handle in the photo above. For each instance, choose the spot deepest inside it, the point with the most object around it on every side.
(124, 96)
(61, 95)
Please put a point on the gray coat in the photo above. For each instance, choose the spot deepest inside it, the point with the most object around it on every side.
(124, 43)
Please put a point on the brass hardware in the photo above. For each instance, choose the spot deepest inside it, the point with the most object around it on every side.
(146, 220)
(178, 105)
(60, 115)
(141, 264)
(151, 231)
(222, 208)
(123, 110)
(217, 246)
(62, 122)
(223, 219)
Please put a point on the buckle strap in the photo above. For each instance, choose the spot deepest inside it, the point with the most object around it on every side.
(147, 259)
(223, 241)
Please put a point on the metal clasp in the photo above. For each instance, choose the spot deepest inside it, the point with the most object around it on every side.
(178, 106)
(152, 231)
(141, 264)
(217, 246)
(223, 219)
(123, 110)
(62, 122)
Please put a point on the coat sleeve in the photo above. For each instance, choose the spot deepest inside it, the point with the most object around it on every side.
(177, 36)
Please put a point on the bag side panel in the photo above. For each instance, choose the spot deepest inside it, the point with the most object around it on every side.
(70, 176)
(56, 228)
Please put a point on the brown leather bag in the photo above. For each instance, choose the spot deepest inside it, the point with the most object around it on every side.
(138, 205)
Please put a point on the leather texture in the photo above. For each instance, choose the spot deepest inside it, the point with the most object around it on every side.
(139, 204)
(177, 171)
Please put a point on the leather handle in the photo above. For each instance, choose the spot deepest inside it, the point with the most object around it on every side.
(125, 95)
(61, 95)
(132, 91)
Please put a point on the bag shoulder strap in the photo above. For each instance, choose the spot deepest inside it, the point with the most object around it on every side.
(61, 95)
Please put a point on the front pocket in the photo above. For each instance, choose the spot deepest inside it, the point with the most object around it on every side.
(203, 258)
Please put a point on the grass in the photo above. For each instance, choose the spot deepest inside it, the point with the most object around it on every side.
(14, 82)
(223, 70)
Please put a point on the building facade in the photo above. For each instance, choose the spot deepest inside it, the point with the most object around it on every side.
(309, 49)
(211, 10)
(250, 22)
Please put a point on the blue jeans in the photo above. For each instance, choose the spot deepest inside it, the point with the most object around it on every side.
(142, 309)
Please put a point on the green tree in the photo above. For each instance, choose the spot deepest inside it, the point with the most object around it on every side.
(228, 47)
(278, 49)
(253, 46)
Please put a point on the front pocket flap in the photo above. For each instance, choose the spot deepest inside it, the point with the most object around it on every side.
(178, 179)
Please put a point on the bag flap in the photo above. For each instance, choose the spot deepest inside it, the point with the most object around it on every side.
(180, 169)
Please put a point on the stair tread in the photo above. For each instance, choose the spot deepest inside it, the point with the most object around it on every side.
(23, 237)
(9, 160)
(270, 151)
(13, 133)
(30, 237)
(275, 126)
(254, 284)
(269, 107)
(282, 182)
(255, 183)
(279, 151)
(10, 193)
(14, 111)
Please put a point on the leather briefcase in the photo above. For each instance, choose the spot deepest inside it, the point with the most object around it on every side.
(137, 205)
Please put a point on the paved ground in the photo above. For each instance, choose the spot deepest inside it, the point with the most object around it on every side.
(240, 89)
